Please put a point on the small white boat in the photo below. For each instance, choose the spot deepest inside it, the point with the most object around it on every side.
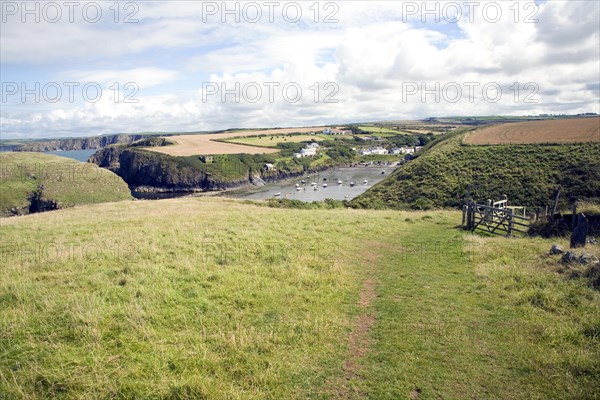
(314, 184)
(340, 182)
(302, 181)
(277, 194)
(297, 185)
(299, 189)
(365, 181)
(324, 185)
(352, 183)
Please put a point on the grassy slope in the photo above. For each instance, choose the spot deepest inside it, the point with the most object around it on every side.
(528, 174)
(67, 181)
(205, 298)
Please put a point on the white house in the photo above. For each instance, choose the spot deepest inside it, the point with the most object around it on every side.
(378, 150)
(309, 151)
(373, 151)
(335, 131)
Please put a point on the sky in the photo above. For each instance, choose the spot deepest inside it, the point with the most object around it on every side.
(86, 68)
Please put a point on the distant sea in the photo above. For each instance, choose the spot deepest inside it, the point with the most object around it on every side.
(79, 155)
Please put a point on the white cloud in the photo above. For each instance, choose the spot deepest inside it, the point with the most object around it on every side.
(370, 55)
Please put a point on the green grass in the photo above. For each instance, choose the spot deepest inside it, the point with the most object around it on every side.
(383, 132)
(205, 298)
(448, 172)
(273, 140)
(66, 181)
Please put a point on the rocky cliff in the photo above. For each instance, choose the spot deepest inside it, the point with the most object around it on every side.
(87, 143)
(147, 171)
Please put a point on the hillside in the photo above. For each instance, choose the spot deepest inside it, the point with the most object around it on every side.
(211, 299)
(450, 171)
(31, 182)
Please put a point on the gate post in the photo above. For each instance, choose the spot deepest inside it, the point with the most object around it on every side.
(510, 222)
(470, 215)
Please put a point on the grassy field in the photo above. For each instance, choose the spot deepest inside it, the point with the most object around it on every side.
(384, 132)
(212, 299)
(575, 130)
(272, 140)
(66, 181)
(448, 172)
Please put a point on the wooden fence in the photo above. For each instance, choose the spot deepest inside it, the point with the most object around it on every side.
(496, 218)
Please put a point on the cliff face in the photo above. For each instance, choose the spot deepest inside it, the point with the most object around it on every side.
(159, 172)
(147, 171)
(88, 143)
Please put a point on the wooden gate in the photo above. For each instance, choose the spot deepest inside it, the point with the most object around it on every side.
(497, 219)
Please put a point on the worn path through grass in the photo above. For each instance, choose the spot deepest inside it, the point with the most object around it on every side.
(220, 299)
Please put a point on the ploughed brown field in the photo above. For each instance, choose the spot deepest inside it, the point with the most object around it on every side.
(575, 130)
(205, 144)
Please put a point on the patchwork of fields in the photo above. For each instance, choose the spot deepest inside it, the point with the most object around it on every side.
(575, 130)
(207, 144)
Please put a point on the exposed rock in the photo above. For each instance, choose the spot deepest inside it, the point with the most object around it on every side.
(586, 259)
(593, 275)
(155, 172)
(556, 249)
(570, 257)
(95, 142)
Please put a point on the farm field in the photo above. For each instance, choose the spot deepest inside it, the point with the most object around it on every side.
(272, 140)
(382, 131)
(576, 130)
(206, 144)
(222, 299)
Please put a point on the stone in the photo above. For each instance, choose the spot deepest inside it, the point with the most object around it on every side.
(556, 249)
(592, 241)
(570, 257)
(586, 259)
(580, 232)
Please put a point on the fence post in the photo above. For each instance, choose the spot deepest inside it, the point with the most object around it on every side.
(556, 197)
(464, 216)
(510, 222)
(470, 215)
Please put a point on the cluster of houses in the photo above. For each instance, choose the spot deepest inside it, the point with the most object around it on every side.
(335, 131)
(312, 149)
(309, 151)
(332, 131)
(378, 150)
